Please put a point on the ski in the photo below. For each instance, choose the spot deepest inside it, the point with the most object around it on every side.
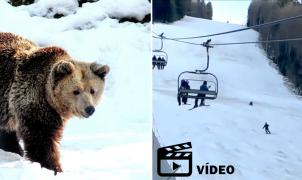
(198, 107)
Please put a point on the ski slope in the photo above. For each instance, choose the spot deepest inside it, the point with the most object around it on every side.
(114, 143)
(229, 131)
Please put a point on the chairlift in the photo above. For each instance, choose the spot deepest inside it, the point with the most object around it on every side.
(193, 80)
(160, 57)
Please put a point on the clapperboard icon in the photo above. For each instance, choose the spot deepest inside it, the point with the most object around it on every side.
(179, 160)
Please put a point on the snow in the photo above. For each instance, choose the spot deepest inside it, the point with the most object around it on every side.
(117, 9)
(129, 8)
(48, 8)
(115, 142)
(229, 131)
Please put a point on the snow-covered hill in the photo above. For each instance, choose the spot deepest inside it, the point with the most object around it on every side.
(115, 143)
(229, 131)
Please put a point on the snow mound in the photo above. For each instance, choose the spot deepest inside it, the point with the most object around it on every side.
(131, 8)
(52, 8)
(115, 9)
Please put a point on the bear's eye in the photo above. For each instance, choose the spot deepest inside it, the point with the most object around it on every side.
(92, 91)
(76, 92)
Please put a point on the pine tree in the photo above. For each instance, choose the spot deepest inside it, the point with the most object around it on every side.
(282, 3)
(197, 12)
(203, 10)
(169, 10)
(189, 7)
(209, 10)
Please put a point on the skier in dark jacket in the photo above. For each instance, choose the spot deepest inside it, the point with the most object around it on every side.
(267, 131)
(153, 62)
(203, 87)
(159, 63)
(163, 63)
(183, 85)
(186, 86)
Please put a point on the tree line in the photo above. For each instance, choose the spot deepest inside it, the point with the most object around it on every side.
(286, 55)
(168, 11)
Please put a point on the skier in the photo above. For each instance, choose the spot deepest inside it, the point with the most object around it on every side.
(153, 62)
(183, 85)
(203, 87)
(159, 63)
(163, 63)
(267, 131)
(186, 86)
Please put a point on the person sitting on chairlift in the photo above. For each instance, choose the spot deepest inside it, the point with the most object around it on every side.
(203, 87)
(158, 63)
(187, 86)
(153, 62)
(163, 63)
(184, 84)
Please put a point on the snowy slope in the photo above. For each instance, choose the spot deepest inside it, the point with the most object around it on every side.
(228, 132)
(115, 143)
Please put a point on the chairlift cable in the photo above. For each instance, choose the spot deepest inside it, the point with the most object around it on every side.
(236, 43)
(241, 29)
(257, 42)
(197, 44)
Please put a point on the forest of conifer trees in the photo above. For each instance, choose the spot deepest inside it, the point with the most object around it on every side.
(172, 10)
(286, 55)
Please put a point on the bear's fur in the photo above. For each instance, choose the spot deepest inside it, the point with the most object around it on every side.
(40, 88)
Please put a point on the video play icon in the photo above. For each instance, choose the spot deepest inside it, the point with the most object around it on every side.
(179, 160)
(175, 166)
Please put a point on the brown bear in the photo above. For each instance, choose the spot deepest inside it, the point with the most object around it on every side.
(40, 89)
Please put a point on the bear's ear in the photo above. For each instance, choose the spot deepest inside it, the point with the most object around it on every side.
(61, 69)
(100, 70)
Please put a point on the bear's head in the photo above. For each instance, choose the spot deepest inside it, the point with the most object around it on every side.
(75, 88)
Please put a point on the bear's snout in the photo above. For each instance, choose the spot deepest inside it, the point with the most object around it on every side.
(89, 110)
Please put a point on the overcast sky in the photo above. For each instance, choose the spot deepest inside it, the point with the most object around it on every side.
(234, 11)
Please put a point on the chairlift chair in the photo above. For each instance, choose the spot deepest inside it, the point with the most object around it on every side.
(160, 54)
(196, 79)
